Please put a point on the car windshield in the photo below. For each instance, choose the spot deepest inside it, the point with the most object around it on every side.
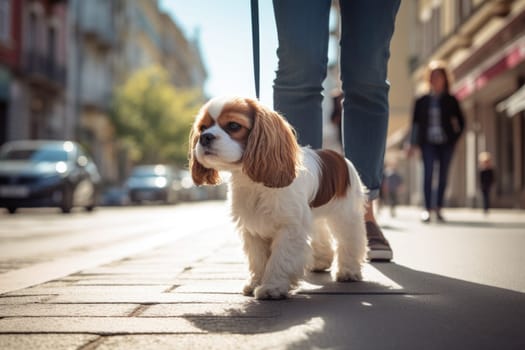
(43, 154)
(150, 171)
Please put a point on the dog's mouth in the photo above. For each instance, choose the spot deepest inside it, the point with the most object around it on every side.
(209, 152)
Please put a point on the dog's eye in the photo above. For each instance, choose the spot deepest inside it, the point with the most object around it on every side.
(202, 127)
(233, 126)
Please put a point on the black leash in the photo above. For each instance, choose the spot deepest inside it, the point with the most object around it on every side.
(255, 44)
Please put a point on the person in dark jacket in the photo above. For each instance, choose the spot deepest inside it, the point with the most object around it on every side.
(437, 125)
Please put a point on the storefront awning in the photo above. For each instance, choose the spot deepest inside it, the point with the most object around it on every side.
(513, 104)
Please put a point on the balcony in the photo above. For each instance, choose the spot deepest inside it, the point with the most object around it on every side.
(43, 68)
(465, 30)
(97, 24)
(99, 100)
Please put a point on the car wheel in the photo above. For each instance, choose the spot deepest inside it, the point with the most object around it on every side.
(90, 207)
(11, 210)
(67, 199)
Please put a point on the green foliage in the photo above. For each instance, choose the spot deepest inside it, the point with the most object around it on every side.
(152, 117)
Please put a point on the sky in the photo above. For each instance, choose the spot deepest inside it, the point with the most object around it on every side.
(224, 31)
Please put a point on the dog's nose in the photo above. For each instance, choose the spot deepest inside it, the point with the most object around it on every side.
(206, 139)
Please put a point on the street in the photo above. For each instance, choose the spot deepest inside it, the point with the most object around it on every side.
(168, 277)
(39, 241)
(38, 245)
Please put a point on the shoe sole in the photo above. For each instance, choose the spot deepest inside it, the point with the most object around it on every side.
(380, 255)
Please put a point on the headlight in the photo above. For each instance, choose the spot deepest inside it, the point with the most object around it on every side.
(61, 167)
(161, 182)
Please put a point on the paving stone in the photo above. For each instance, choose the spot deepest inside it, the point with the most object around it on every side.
(67, 310)
(97, 325)
(294, 337)
(56, 284)
(97, 290)
(22, 299)
(232, 256)
(101, 272)
(134, 270)
(141, 276)
(248, 309)
(217, 268)
(196, 275)
(45, 341)
(210, 286)
(149, 298)
(125, 281)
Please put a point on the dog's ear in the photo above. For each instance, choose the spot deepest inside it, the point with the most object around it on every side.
(272, 155)
(200, 174)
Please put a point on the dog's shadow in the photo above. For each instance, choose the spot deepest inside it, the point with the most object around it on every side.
(396, 308)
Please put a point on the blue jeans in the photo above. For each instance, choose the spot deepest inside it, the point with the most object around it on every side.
(433, 155)
(366, 29)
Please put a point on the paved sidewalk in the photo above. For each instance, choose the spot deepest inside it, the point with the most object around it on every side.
(187, 296)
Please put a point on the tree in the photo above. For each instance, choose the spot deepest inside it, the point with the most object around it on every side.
(153, 118)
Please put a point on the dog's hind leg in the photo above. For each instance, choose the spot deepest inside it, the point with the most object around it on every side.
(350, 235)
(323, 251)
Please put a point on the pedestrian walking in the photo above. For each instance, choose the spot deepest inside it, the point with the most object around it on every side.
(437, 125)
(486, 178)
(367, 27)
(392, 183)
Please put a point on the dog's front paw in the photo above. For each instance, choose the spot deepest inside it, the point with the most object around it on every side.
(320, 266)
(271, 292)
(349, 276)
(249, 287)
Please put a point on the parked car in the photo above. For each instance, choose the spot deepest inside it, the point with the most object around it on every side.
(149, 183)
(187, 191)
(115, 196)
(37, 173)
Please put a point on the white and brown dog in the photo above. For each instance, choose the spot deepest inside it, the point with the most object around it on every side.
(286, 200)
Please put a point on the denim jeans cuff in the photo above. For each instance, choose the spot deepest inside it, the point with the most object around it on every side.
(373, 194)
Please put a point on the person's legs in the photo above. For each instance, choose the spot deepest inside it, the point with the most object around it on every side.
(303, 32)
(445, 156)
(429, 156)
(486, 199)
(366, 30)
(367, 27)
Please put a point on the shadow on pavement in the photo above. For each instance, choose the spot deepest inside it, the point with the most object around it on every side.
(428, 311)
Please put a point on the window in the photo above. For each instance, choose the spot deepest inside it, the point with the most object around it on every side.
(5, 21)
(464, 8)
(32, 32)
(51, 44)
(436, 26)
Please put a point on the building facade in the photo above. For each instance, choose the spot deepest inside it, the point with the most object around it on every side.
(181, 56)
(110, 40)
(60, 61)
(483, 44)
(10, 51)
(33, 55)
(93, 47)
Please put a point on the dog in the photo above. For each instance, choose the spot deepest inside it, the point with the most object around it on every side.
(295, 208)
